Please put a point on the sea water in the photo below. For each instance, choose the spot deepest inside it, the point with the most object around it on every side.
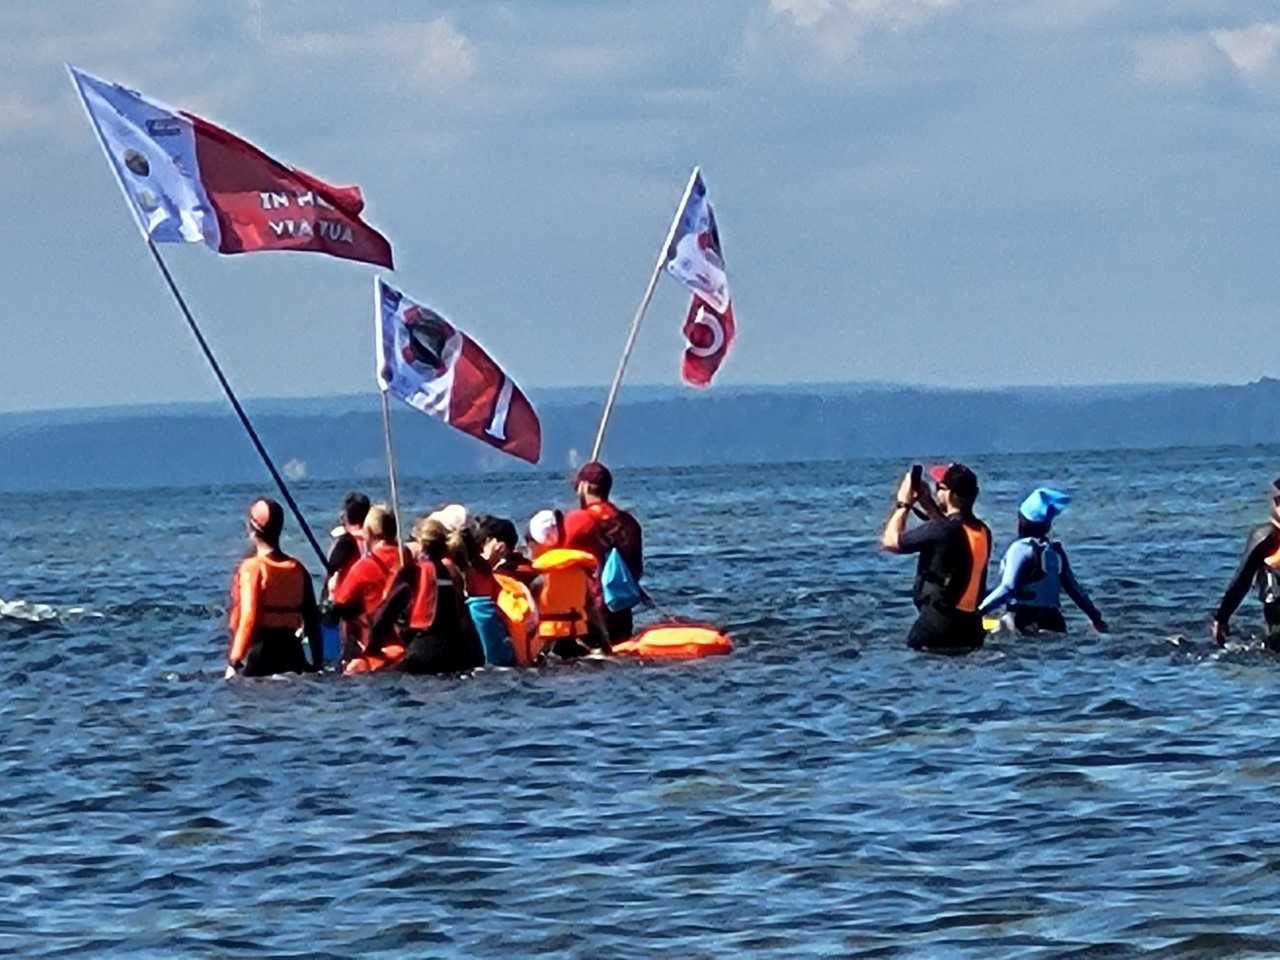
(821, 792)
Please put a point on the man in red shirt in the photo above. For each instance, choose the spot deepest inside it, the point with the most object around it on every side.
(363, 589)
(597, 527)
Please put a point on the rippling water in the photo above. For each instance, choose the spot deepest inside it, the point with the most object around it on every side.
(823, 791)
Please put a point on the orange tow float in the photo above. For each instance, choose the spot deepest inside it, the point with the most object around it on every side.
(675, 641)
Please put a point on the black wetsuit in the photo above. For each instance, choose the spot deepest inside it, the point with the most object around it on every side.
(344, 552)
(1264, 541)
(449, 645)
(942, 576)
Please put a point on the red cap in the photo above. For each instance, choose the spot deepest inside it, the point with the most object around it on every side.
(958, 478)
(595, 473)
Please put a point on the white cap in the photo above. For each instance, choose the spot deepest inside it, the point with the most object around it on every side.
(452, 518)
(544, 529)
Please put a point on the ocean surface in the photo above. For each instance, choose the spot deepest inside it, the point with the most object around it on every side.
(823, 791)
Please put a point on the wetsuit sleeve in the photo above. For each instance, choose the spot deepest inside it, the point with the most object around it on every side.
(925, 535)
(248, 614)
(1015, 559)
(393, 607)
(1073, 589)
(1255, 551)
(343, 553)
(311, 621)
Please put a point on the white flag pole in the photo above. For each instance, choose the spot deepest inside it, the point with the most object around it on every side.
(386, 411)
(639, 316)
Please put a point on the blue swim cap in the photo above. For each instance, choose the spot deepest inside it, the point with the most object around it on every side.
(1044, 504)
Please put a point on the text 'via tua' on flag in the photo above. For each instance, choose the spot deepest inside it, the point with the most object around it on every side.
(190, 181)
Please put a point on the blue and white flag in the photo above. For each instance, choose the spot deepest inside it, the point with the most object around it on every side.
(694, 257)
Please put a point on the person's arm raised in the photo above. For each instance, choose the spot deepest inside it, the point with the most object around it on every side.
(891, 539)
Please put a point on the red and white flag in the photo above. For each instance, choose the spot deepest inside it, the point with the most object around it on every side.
(434, 367)
(707, 336)
(696, 260)
(189, 181)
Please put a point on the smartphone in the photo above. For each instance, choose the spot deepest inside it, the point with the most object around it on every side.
(917, 473)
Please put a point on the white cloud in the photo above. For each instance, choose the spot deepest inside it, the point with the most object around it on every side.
(433, 54)
(1251, 50)
(838, 27)
(1177, 61)
(1188, 60)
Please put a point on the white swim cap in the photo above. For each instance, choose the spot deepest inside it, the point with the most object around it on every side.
(453, 517)
(544, 528)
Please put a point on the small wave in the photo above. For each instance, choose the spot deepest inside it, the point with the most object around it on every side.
(43, 612)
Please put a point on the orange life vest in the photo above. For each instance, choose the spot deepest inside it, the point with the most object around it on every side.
(566, 588)
(980, 552)
(516, 604)
(271, 594)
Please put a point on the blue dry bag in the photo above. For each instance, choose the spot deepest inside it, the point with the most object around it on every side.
(621, 592)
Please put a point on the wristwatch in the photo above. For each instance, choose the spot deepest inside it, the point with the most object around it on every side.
(902, 505)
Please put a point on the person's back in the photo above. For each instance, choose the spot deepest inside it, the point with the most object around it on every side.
(274, 602)
(951, 571)
(364, 588)
(564, 601)
(1035, 571)
(598, 527)
(954, 548)
(436, 638)
(424, 609)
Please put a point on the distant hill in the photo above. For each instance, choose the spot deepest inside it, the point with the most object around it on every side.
(340, 437)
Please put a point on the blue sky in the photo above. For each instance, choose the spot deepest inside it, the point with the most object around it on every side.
(960, 192)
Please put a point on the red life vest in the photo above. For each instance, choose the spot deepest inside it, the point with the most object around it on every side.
(426, 595)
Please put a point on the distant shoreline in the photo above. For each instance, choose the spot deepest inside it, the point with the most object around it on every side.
(340, 437)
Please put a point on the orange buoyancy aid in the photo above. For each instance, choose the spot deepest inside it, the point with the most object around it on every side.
(520, 612)
(979, 540)
(271, 596)
(566, 590)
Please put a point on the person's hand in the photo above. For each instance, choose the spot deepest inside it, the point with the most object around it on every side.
(1218, 631)
(229, 673)
(1100, 626)
(907, 489)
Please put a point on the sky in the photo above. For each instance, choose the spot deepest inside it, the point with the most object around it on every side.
(950, 192)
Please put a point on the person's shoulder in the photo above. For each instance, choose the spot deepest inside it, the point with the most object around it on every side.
(1267, 533)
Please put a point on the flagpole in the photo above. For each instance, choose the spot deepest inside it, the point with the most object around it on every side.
(381, 361)
(235, 403)
(391, 466)
(639, 316)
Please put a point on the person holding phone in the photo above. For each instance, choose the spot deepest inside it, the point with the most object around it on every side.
(954, 548)
(1259, 568)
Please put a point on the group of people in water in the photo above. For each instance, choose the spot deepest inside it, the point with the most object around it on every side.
(455, 594)
(954, 606)
(460, 593)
